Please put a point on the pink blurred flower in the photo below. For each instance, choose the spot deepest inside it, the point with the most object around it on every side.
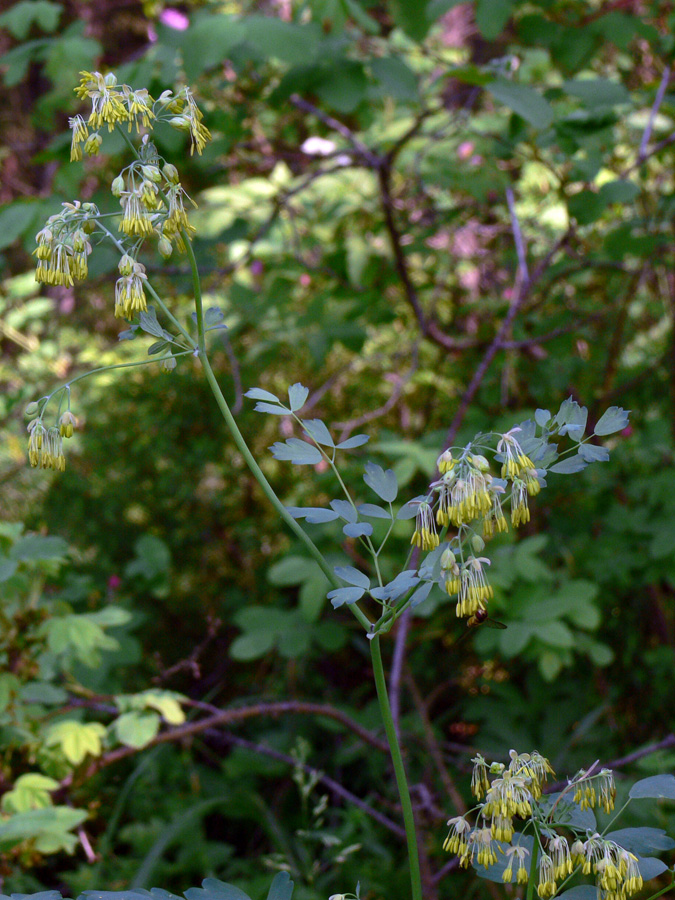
(174, 18)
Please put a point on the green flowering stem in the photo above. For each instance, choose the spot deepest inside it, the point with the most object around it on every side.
(150, 289)
(243, 446)
(128, 365)
(399, 769)
(533, 863)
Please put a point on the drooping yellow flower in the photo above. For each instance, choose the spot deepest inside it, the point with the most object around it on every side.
(80, 133)
(136, 220)
(106, 100)
(425, 535)
(130, 293)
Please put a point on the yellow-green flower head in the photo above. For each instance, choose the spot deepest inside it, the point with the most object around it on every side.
(106, 101)
(445, 462)
(470, 497)
(483, 848)
(529, 476)
(559, 851)
(130, 293)
(521, 854)
(457, 840)
(66, 424)
(80, 133)
(126, 264)
(494, 519)
(118, 185)
(151, 173)
(425, 535)
(533, 766)
(199, 133)
(45, 447)
(164, 246)
(480, 782)
(139, 107)
(480, 463)
(44, 240)
(606, 790)
(135, 219)
(474, 591)
(510, 795)
(546, 887)
(616, 870)
(93, 144)
(177, 215)
(149, 195)
(584, 792)
(58, 269)
(170, 173)
(520, 511)
(515, 461)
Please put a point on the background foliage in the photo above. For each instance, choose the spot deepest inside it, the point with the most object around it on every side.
(488, 231)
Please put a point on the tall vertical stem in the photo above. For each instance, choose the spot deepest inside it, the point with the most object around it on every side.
(399, 768)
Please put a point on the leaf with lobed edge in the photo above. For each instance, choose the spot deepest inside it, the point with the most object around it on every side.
(297, 396)
(613, 420)
(357, 441)
(317, 430)
(383, 483)
(300, 453)
(314, 515)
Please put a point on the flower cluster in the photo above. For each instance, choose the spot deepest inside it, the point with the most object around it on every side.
(45, 445)
(514, 791)
(63, 245)
(152, 200)
(467, 495)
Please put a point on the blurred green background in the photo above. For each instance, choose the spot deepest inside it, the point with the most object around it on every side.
(354, 225)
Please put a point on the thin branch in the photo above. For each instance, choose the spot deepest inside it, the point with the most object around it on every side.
(335, 787)
(497, 341)
(400, 381)
(371, 159)
(433, 746)
(384, 178)
(228, 717)
(658, 100)
(518, 237)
